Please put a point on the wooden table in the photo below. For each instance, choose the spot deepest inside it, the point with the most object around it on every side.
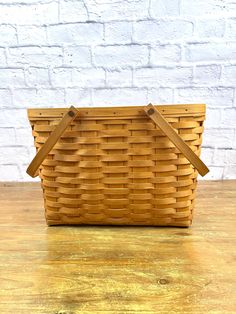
(67, 270)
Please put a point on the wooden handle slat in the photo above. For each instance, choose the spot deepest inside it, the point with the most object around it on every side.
(169, 131)
(51, 141)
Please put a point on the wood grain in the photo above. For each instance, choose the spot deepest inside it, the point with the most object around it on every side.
(68, 270)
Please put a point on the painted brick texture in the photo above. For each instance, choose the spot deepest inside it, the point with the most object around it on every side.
(59, 53)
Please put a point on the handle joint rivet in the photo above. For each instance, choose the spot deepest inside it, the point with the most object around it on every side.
(150, 111)
(71, 113)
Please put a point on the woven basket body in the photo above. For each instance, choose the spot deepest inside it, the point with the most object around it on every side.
(115, 166)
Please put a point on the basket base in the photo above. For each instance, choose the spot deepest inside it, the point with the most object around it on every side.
(185, 224)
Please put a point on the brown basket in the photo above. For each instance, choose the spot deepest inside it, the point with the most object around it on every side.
(121, 166)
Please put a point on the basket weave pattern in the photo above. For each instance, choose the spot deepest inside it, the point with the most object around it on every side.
(115, 166)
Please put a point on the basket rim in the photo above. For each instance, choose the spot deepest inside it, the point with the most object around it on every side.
(121, 111)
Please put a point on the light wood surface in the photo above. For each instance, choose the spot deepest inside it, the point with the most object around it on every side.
(68, 270)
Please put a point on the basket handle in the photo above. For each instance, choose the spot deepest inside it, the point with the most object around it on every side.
(169, 131)
(70, 115)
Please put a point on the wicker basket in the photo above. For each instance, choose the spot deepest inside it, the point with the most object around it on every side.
(121, 166)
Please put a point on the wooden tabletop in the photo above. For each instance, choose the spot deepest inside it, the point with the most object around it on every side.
(68, 270)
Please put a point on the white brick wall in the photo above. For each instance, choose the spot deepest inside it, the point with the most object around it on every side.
(99, 53)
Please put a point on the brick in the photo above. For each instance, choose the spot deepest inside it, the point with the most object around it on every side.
(164, 8)
(231, 157)
(164, 54)
(234, 141)
(72, 77)
(231, 29)
(213, 117)
(162, 30)
(37, 77)
(207, 155)
(77, 56)
(7, 35)
(13, 154)
(26, 98)
(230, 172)
(118, 33)
(36, 56)
(32, 152)
(152, 77)
(17, 2)
(2, 57)
(202, 7)
(23, 175)
(118, 56)
(5, 98)
(212, 96)
(11, 117)
(216, 173)
(81, 33)
(88, 77)
(219, 158)
(79, 97)
(111, 10)
(119, 97)
(31, 35)
(229, 117)
(9, 173)
(36, 14)
(218, 138)
(12, 77)
(160, 95)
(229, 74)
(210, 51)
(73, 11)
(231, 6)
(208, 28)
(7, 136)
(61, 77)
(24, 136)
(118, 78)
(209, 74)
(50, 97)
